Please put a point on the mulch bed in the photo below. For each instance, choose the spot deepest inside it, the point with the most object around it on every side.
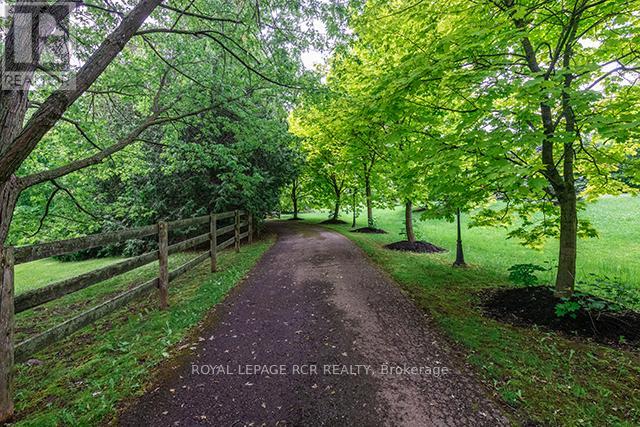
(369, 230)
(536, 306)
(333, 221)
(418, 246)
(295, 219)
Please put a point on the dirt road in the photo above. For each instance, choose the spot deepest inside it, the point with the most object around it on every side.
(317, 336)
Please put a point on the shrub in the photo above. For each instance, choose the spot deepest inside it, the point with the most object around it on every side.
(524, 274)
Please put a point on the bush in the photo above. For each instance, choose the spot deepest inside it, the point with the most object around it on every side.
(524, 274)
(617, 296)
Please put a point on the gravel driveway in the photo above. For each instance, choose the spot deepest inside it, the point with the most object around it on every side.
(316, 335)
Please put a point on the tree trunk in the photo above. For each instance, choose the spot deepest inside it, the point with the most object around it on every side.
(336, 210)
(9, 193)
(566, 276)
(337, 191)
(7, 327)
(408, 220)
(295, 208)
(367, 188)
(294, 199)
(8, 197)
(459, 262)
(353, 223)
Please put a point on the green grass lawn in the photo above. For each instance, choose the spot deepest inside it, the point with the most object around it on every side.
(541, 375)
(87, 376)
(36, 274)
(615, 253)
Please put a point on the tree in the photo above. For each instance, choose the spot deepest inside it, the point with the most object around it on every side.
(538, 104)
(216, 26)
(550, 96)
(408, 172)
(18, 140)
(327, 170)
(32, 114)
(295, 196)
(354, 196)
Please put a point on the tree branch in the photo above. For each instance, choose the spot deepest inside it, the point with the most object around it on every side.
(57, 103)
(46, 211)
(133, 136)
(210, 34)
(199, 15)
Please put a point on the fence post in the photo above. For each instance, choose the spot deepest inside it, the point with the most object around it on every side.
(237, 231)
(213, 241)
(163, 257)
(250, 220)
(7, 325)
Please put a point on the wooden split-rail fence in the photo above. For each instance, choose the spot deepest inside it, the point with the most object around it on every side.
(237, 224)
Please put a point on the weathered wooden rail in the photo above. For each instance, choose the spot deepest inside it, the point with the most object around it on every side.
(11, 353)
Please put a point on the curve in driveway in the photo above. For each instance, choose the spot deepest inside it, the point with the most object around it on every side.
(316, 335)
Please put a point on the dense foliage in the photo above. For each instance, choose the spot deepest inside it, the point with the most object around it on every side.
(191, 117)
(523, 121)
(424, 105)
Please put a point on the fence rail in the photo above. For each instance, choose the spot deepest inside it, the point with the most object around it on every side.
(11, 353)
(62, 247)
(59, 289)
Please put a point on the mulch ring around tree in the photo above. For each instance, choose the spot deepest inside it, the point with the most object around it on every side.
(333, 221)
(369, 230)
(530, 306)
(418, 246)
(295, 219)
